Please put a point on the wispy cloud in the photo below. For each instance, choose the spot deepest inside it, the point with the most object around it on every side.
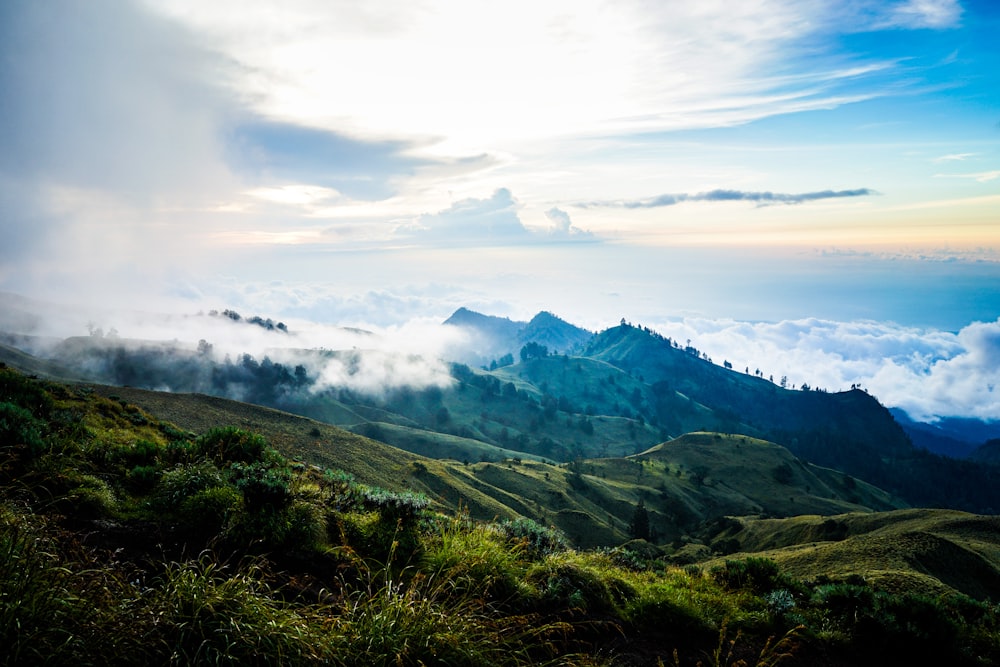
(916, 14)
(981, 176)
(954, 157)
(761, 198)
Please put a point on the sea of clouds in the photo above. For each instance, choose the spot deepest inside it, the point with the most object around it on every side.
(928, 373)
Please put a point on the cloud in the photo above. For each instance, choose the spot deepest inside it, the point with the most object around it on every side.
(372, 360)
(272, 151)
(492, 221)
(104, 104)
(917, 14)
(927, 372)
(562, 226)
(954, 157)
(981, 176)
(761, 198)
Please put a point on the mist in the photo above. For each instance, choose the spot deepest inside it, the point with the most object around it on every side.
(199, 351)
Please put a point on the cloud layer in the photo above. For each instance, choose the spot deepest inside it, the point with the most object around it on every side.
(929, 373)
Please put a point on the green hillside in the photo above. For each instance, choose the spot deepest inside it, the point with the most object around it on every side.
(129, 539)
(934, 551)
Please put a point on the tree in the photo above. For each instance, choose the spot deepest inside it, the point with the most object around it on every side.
(638, 528)
(534, 350)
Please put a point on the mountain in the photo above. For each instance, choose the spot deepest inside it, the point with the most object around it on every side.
(988, 452)
(500, 328)
(626, 390)
(558, 335)
(954, 437)
(492, 338)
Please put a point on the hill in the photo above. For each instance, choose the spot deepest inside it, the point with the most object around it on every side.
(684, 483)
(626, 390)
(934, 551)
(127, 540)
(494, 337)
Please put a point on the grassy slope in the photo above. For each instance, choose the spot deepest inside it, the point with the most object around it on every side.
(32, 365)
(593, 505)
(906, 550)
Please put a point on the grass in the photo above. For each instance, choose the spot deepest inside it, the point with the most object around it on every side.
(229, 552)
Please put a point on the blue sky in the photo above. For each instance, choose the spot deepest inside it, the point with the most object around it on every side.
(371, 163)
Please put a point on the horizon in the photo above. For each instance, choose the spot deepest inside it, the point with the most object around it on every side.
(807, 185)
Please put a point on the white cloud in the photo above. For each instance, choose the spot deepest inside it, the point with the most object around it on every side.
(929, 373)
(471, 78)
(954, 157)
(915, 14)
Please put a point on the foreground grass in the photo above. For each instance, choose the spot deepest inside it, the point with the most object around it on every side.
(126, 541)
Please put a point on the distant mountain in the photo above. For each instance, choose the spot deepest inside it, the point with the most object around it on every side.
(500, 328)
(988, 452)
(558, 335)
(957, 438)
(943, 437)
(494, 337)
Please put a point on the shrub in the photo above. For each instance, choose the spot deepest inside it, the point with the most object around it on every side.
(758, 575)
(183, 481)
(230, 444)
(25, 393)
(209, 511)
(656, 615)
(263, 485)
(563, 583)
(306, 526)
(393, 506)
(424, 623)
(93, 498)
(537, 540)
(19, 429)
(476, 560)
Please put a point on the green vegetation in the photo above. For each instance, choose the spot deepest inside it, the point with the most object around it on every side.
(125, 539)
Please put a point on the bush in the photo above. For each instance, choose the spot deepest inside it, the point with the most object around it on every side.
(24, 393)
(230, 444)
(183, 481)
(476, 560)
(537, 540)
(565, 584)
(757, 575)
(393, 506)
(262, 485)
(19, 429)
(209, 511)
(306, 526)
(93, 498)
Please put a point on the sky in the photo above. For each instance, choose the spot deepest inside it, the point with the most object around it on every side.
(811, 185)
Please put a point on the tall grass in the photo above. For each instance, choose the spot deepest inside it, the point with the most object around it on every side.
(198, 613)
